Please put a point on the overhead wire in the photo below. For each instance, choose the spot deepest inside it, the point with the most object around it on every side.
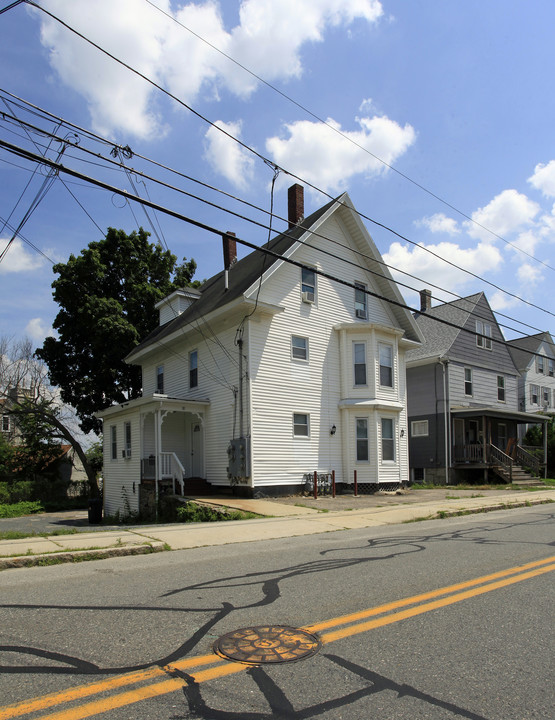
(345, 136)
(255, 152)
(330, 240)
(250, 220)
(215, 231)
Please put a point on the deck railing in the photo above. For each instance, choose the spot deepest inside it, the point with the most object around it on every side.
(472, 453)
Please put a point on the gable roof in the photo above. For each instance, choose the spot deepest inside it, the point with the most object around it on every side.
(440, 336)
(245, 273)
(522, 349)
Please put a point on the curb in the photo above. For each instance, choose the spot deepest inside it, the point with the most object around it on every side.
(441, 514)
(74, 556)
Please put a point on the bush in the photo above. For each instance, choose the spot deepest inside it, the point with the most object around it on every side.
(19, 509)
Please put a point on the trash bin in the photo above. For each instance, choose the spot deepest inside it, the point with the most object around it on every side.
(95, 511)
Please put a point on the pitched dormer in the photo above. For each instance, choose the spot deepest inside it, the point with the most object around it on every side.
(176, 303)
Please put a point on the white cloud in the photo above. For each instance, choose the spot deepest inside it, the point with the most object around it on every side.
(500, 301)
(17, 258)
(543, 178)
(439, 223)
(431, 269)
(37, 330)
(529, 274)
(508, 212)
(226, 156)
(322, 156)
(269, 40)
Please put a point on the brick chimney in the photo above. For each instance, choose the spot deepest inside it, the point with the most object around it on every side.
(230, 249)
(425, 300)
(295, 204)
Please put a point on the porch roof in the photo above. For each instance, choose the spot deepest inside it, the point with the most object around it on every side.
(493, 411)
(150, 403)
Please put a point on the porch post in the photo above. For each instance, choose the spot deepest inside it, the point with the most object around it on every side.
(545, 449)
(157, 451)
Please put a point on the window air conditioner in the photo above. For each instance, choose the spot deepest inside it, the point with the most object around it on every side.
(307, 297)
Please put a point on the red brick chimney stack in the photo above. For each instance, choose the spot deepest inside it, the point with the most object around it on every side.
(230, 249)
(295, 204)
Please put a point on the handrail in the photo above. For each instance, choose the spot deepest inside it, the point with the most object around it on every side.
(506, 461)
(168, 460)
(528, 460)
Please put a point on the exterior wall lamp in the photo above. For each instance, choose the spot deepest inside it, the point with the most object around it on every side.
(403, 432)
(333, 430)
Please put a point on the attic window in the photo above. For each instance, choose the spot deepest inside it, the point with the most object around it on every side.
(360, 301)
(483, 335)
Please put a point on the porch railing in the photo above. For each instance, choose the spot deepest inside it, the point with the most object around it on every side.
(170, 468)
(473, 453)
(502, 460)
(526, 460)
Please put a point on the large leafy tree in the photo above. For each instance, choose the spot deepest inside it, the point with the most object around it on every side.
(107, 298)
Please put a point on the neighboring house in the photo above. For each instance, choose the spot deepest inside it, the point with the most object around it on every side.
(270, 370)
(463, 395)
(9, 428)
(534, 356)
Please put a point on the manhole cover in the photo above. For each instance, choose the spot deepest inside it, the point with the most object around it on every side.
(267, 644)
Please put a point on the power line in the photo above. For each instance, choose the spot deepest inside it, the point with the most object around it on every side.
(262, 225)
(255, 152)
(215, 231)
(344, 135)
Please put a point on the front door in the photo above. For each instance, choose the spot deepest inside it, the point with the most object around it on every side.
(196, 450)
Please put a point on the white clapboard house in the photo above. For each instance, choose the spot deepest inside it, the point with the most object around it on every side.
(278, 366)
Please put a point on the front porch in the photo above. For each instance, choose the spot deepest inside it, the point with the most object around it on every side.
(485, 440)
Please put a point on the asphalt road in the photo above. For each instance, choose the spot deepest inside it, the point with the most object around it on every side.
(132, 637)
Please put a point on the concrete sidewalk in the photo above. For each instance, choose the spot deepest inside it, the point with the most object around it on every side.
(283, 519)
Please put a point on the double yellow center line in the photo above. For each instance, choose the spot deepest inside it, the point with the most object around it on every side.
(162, 680)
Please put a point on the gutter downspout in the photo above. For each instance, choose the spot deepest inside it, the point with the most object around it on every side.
(446, 420)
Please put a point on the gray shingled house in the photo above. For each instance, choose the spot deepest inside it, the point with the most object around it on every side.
(463, 398)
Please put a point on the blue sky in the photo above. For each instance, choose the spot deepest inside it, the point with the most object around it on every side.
(455, 97)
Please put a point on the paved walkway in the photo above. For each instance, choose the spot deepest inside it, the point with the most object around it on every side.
(287, 517)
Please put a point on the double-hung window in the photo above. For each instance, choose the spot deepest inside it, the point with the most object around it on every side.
(308, 285)
(386, 365)
(359, 363)
(468, 381)
(534, 394)
(362, 439)
(540, 364)
(114, 442)
(299, 347)
(5, 423)
(127, 438)
(501, 388)
(388, 441)
(483, 334)
(300, 425)
(546, 397)
(160, 379)
(360, 301)
(550, 367)
(193, 369)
